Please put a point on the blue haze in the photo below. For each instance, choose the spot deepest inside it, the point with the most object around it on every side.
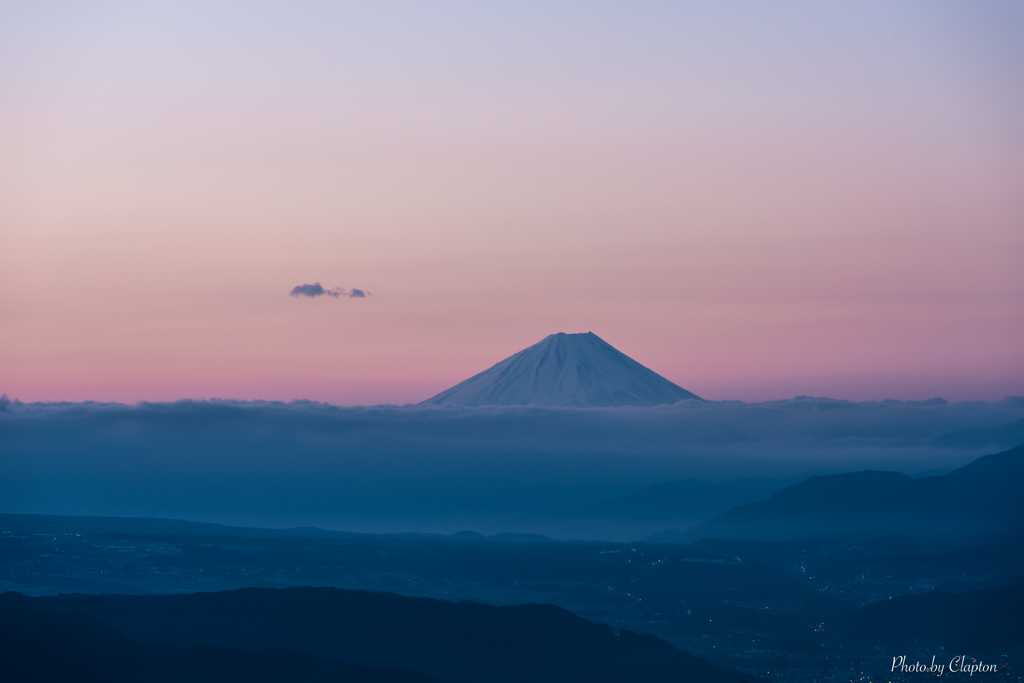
(391, 468)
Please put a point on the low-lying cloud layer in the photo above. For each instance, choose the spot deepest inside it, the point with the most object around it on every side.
(389, 468)
(316, 289)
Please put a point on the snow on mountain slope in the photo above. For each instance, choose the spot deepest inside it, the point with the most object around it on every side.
(565, 370)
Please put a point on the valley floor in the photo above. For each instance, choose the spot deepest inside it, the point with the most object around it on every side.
(779, 611)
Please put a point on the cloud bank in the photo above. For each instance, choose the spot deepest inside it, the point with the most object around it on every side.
(441, 469)
(316, 289)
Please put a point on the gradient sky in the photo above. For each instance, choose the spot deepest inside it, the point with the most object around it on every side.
(756, 200)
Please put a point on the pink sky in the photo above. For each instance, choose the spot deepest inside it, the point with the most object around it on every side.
(755, 203)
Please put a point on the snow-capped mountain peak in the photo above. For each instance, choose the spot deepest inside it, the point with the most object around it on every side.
(565, 370)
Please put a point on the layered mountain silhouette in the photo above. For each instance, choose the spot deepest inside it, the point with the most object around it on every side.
(316, 627)
(981, 498)
(981, 437)
(580, 370)
(678, 504)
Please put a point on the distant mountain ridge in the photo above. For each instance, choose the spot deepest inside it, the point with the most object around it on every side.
(148, 526)
(981, 498)
(980, 437)
(680, 503)
(580, 370)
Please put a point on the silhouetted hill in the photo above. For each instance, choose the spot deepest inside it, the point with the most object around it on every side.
(982, 497)
(465, 641)
(45, 647)
(972, 622)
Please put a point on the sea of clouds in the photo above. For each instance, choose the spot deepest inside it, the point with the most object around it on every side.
(441, 469)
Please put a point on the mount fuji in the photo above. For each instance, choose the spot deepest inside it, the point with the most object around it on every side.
(580, 370)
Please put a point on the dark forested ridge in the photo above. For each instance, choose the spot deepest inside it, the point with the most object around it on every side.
(454, 641)
(46, 647)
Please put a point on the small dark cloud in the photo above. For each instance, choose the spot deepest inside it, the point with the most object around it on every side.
(316, 289)
(313, 290)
